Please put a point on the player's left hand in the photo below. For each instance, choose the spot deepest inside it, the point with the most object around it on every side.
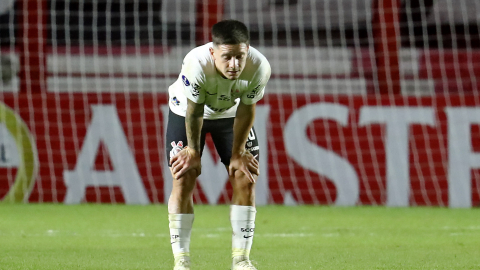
(246, 163)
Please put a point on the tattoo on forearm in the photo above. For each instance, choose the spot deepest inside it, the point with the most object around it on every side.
(194, 122)
(193, 125)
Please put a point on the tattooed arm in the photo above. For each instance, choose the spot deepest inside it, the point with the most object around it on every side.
(189, 157)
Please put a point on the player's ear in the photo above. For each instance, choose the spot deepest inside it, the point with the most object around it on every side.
(211, 52)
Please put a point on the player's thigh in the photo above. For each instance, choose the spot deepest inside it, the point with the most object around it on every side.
(176, 136)
(222, 136)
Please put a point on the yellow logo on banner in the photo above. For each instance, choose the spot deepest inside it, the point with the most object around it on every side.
(27, 155)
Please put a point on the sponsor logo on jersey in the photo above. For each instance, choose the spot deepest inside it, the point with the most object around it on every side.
(195, 89)
(224, 98)
(217, 109)
(185, 80)
(247, 229)
(175, 101)
(254, 92)
(251, 149)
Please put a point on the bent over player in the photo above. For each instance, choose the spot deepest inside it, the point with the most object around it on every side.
(216, 92)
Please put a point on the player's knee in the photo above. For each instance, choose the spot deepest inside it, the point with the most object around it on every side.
(241, 175)
(241, 181)
(186, 183)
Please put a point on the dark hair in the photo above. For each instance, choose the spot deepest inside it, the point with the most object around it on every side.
(230, 32)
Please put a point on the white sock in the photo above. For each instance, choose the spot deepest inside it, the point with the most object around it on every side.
(180, 230)
(242, 219)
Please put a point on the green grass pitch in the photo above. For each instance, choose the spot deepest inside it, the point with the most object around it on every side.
(48, 236)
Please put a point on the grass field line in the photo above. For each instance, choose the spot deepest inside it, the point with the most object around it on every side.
(472, 228)
(56, 233)
(217, 232)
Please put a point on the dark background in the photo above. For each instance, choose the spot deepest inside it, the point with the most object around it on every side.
(139, 23)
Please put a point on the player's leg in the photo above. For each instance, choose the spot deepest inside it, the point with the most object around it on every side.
(180, 216)
(180, 203)
(242, 210)
(243, 189)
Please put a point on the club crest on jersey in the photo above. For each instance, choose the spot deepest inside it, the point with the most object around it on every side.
(235, 93)
(185, 80)
(177, 147)
(175, 101)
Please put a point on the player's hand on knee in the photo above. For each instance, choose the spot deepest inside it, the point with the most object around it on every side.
(246, 163)
(185, 160)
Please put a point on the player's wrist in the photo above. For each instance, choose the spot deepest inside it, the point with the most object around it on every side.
(193, 152)
(238, 153)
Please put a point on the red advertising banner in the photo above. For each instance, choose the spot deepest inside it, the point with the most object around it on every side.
(317, 149)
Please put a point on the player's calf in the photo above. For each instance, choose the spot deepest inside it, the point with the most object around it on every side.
(242, 219)
(180, 231)
(243, 190)
(180, 201)
(180, 208)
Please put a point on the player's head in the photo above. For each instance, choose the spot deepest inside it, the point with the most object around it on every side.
(230, 32)
(231, 41)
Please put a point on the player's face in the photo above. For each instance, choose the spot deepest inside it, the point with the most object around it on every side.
(230, 59)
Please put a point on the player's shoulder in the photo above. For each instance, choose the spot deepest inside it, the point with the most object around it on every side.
(198, 61)
(257, 57)
(258, 61)
(200, 54)
(257, 64)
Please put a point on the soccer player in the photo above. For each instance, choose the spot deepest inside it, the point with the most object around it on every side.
(216, 92)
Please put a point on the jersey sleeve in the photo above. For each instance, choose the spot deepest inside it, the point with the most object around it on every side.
(257, 85)
(193, 78)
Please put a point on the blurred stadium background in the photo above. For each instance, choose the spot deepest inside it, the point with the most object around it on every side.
(371, 102)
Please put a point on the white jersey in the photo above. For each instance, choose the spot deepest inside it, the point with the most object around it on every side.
(200, 82)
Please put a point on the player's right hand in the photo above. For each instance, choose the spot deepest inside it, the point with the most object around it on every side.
(185, 160)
